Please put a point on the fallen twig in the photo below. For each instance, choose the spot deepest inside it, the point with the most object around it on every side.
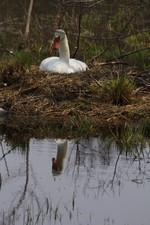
(96, 81)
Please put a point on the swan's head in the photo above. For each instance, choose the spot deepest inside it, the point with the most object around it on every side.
(59, 36)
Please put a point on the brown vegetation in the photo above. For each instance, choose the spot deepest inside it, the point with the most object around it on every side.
(70, 99)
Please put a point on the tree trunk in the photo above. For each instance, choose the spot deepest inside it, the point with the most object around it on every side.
(27, 29)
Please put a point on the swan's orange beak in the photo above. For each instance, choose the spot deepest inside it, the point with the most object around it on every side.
(56, 43)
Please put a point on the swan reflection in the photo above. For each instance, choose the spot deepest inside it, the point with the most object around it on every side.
(58, 162)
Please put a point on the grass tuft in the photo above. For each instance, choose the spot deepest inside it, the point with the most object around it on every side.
(119, 91)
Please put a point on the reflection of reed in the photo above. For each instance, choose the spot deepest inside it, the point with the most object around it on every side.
(24, 191)
(22, 197)
(58, 163)
(0, 181)
(4, 157)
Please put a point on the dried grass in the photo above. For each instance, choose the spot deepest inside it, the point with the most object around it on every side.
(71, 98)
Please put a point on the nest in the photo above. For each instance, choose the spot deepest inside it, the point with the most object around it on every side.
(70, 98)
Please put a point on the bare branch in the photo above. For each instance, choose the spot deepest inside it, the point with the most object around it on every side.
(85, 4)
(113, 38)
(132, 52)
(120, 33)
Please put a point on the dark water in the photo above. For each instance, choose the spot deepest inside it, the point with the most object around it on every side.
(94, 183)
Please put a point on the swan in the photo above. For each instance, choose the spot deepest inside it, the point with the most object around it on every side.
(63, 63)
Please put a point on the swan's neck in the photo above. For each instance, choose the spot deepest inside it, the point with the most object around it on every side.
(64, 52)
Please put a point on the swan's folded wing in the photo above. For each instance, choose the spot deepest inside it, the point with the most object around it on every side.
(49, 63)
(77, 66)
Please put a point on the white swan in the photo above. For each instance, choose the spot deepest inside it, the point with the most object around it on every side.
(63, 63)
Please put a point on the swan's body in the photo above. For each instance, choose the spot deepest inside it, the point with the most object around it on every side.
(63, 63)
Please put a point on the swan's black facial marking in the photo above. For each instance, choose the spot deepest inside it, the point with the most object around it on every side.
(60, 37)
(57, 38)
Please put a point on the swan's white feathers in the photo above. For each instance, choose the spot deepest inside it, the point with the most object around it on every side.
(54, 64)
(62, 64)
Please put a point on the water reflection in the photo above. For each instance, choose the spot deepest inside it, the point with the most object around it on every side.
(58, 162)
(94, 182)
